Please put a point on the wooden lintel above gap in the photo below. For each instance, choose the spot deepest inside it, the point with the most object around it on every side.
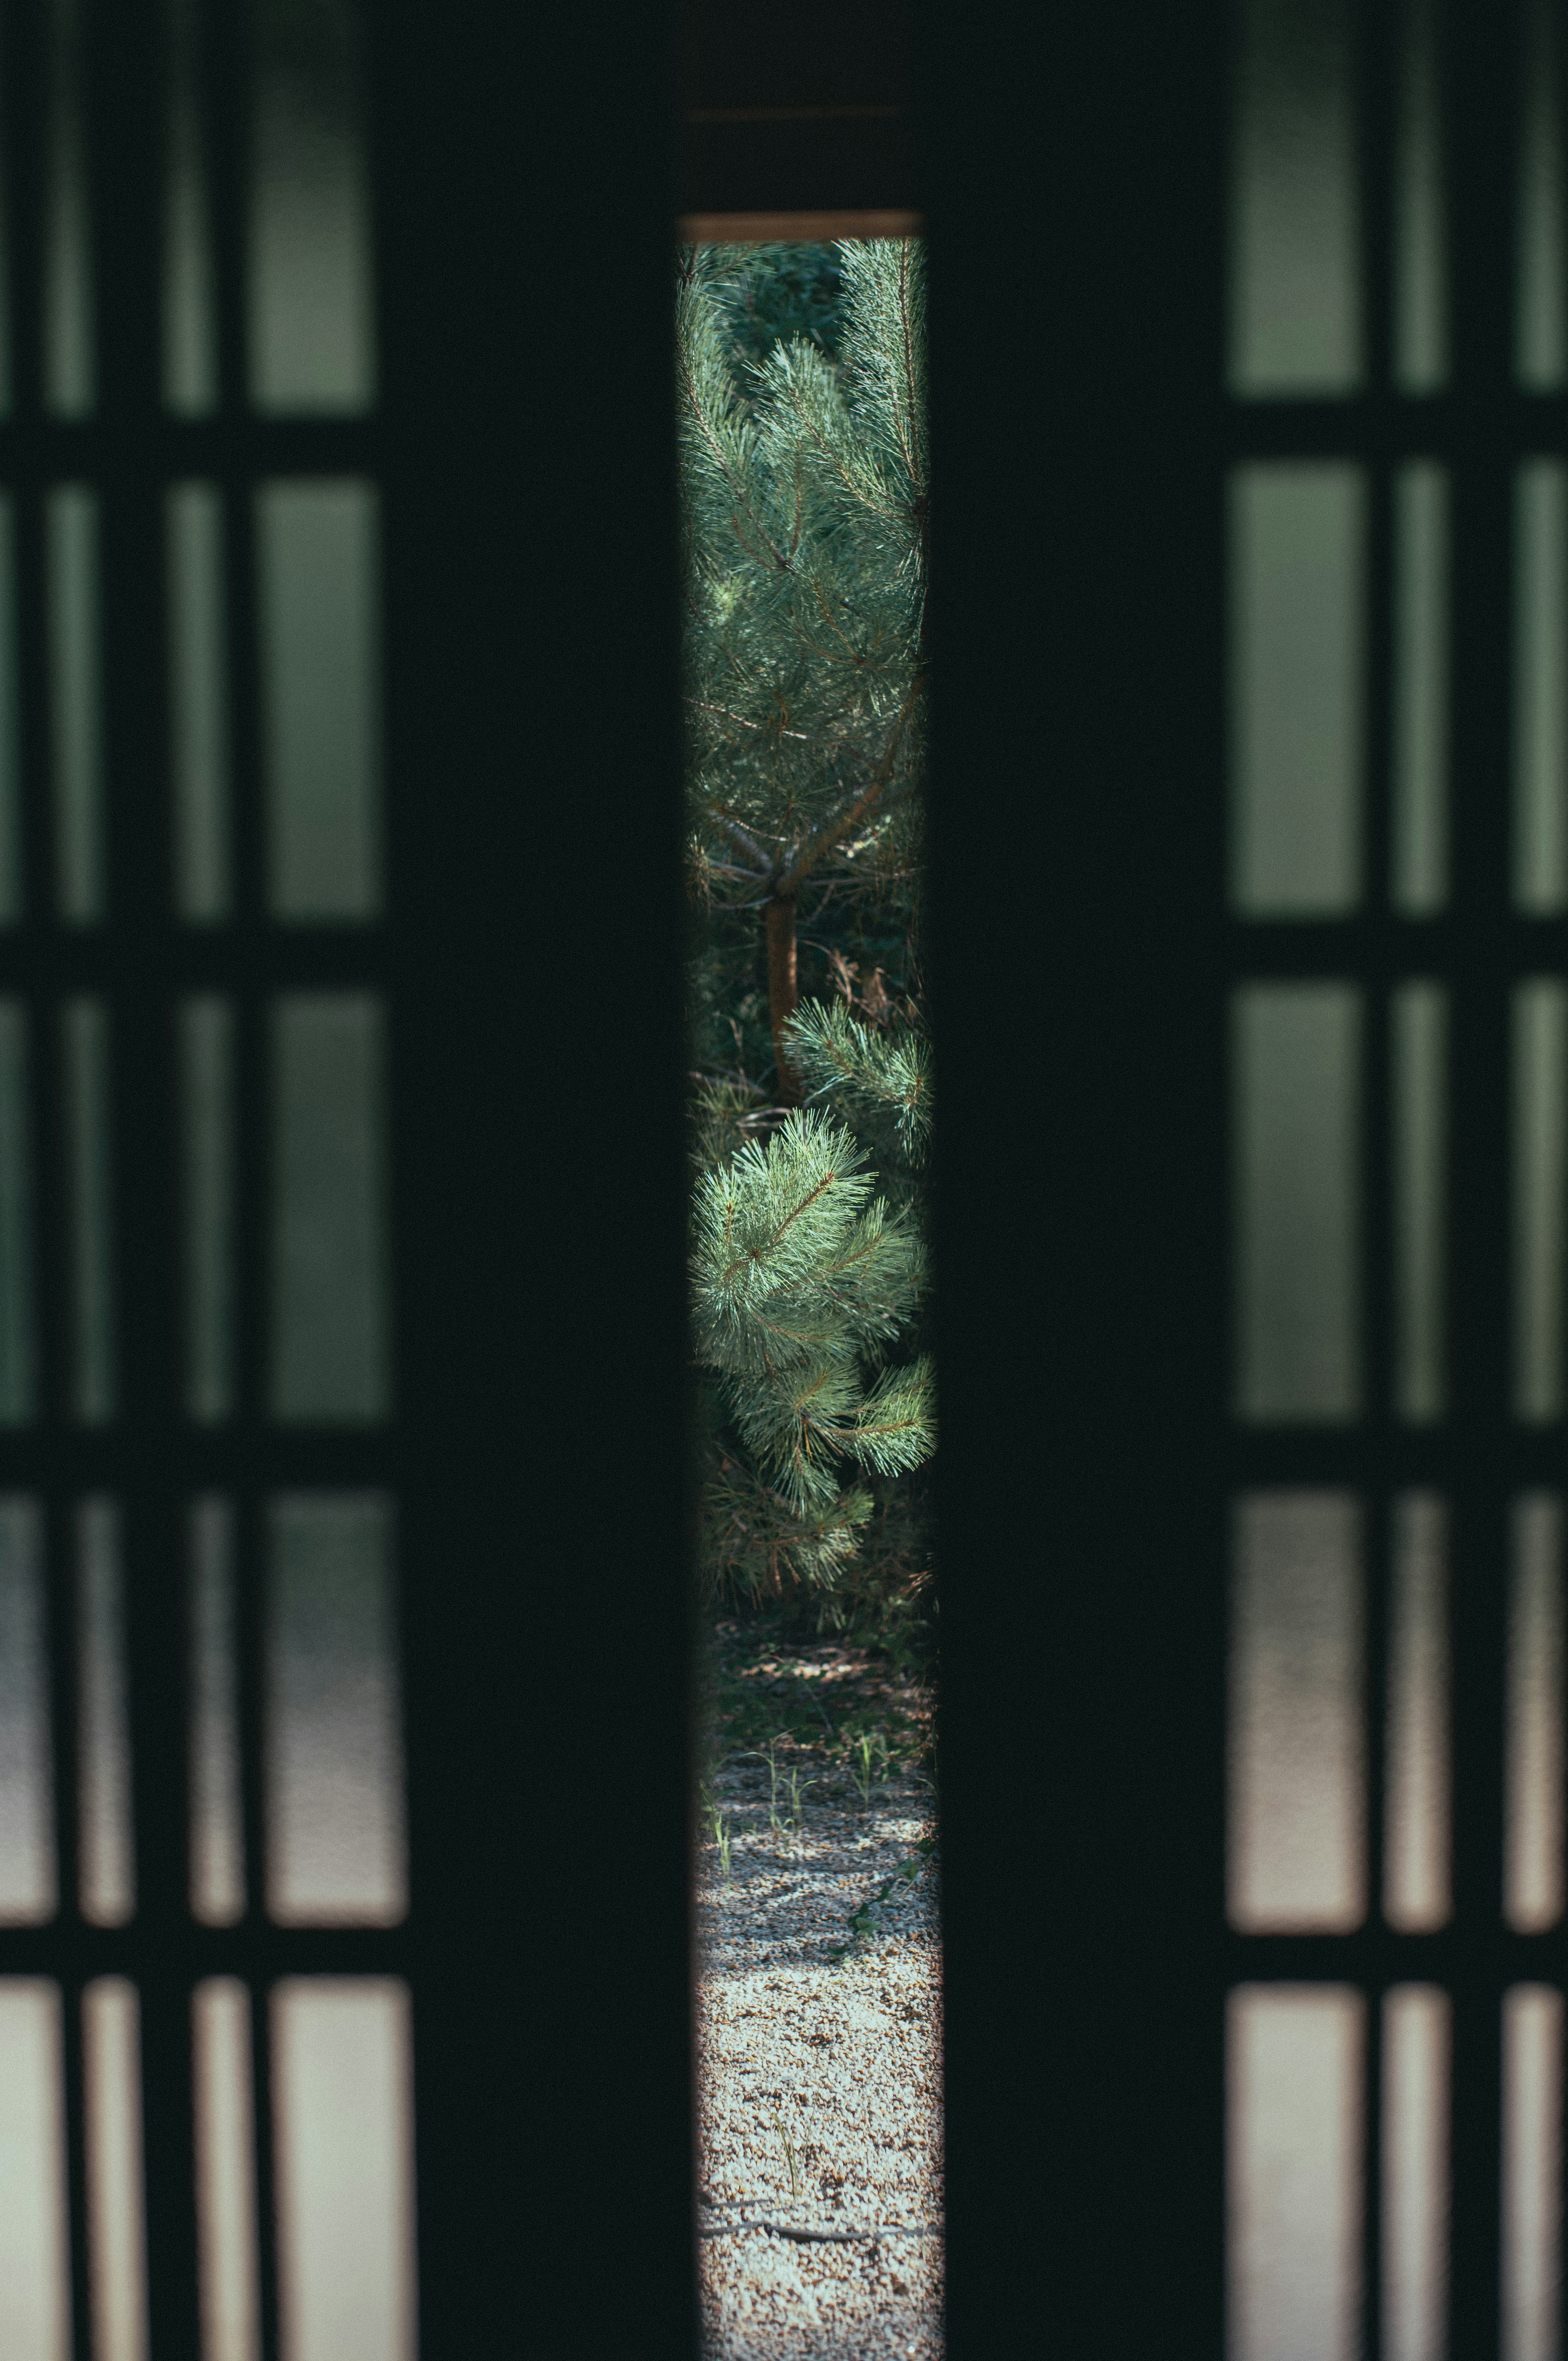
(810, 228)
(788, 114)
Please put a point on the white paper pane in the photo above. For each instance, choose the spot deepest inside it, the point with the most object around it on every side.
(1416, 2037)
(10, 743)
(76, 727)
(1297, 532)
(1533, 2172)
(1296, 1067)
(318, 547)
(1421, 312)
(330, 1340)
(67, 342)
(198, 700)
(1419, 1058)
(1540, 678)
(312, 325)
(1419, 881)
(1297, 1844)
(206, 1062)
(1533, 1872)
(1417, 1868)
(84, 1047)
(1540, 323)
(28, 1890)
(190, 323)
(1294, 2074)
(335, 1743)
(226, 2171)
(1294, 281)
(18, 1374)
(217, 1835)
(35, 2304)
(107, 1856)
(1540, 1195)
(344, 2109)
(116, 2219)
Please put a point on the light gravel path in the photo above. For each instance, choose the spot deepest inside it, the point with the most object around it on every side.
(834, 2062)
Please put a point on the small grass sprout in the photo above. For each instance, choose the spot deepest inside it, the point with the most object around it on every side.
(869, 1749)
(719, 1831)
(782, 2130)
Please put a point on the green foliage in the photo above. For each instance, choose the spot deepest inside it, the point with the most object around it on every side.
(801, 1282)
(767, 295)
(805, 505)
(884, 1083)
(803, 474)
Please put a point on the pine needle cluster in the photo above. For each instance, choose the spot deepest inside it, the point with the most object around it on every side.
(802, 1283)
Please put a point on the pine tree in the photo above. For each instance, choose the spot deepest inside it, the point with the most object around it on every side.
(804, 485)
(803, 1284)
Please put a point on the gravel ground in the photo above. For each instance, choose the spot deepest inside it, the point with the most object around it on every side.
(825, 2063)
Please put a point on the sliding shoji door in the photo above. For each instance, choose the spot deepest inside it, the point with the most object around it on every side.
(343, 1948)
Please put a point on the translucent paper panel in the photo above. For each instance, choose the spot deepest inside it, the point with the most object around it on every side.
(330, 1342)
(10, 747)
(27, 1871)
(1533, 2172)
(198, 701)
(1418, 1061)
(1297, 1846)
(225, 2172)
(335, 1771)
(311, 331)
(116, 2221)
(1420, 321)
(17, 1368)
(35, 2313)
(1296, 1056)
(1419, 881)
(217, 1836)
(343, 2105)
(1297, 534)
(189, 327)
(1294, 294)
(1539, 1182)
(1417, 1868)
(206, 1073)
(69, 364)
(1534, 1863)
(104, 1740)
(1295, 2067)
(1541, 710)
(84, 1053)
(318, 548)
(1416, 2045)
(71, 524)
(1540, 322)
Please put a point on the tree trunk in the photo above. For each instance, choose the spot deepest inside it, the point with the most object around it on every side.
(782, 993)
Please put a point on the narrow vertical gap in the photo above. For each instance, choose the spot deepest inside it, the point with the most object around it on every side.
(224, 74)
(1378, 77)
(78, 2201)
(1480, 109)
